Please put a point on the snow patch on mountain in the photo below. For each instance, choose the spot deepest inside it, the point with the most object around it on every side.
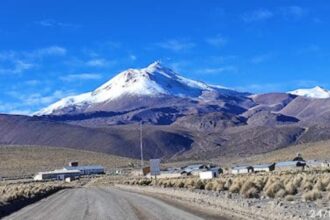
(316, 92)
(154, 80)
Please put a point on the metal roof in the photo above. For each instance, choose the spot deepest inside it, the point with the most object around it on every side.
(289, 163)
(266, 165)
(194, 166)
(87, 167)
(62, 171)
(241, 167)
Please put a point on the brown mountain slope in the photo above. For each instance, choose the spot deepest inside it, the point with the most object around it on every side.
(123, 141)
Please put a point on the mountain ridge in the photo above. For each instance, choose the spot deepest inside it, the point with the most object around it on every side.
(182, 119)
(153, 81)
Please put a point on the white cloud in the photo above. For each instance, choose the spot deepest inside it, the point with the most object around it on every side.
(33, 54)
(19, 112)
(49, 51)
(294, 12)
(55, 23)
(217, 41)
(17, 67)
(32, 82)
(132, 57)
(15, 62)
(217, 70)
(261, 58)
(176, 45)
(257, 15)
(29, 102)
(81, 76)
(97, 62)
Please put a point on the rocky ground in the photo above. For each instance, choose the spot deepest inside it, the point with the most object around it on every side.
(236, 207)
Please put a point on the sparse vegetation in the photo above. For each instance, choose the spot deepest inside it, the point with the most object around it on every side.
(33, 159)
(16, 195)
(307, 186)
(21, 191)
(312, 195)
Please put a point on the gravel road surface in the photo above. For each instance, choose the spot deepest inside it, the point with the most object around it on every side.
(102, 203)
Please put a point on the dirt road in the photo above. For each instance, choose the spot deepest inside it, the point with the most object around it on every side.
(103, 203)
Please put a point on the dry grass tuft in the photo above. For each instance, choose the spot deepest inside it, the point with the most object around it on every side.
(289, 198)
(20, 191)
(235, 188)
(308, 186)
(291, 188)
(200, 185)
(274, 188)
(312, 195)
(209, 186)
(219, 186)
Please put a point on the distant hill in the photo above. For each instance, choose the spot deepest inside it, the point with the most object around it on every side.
(182, 118)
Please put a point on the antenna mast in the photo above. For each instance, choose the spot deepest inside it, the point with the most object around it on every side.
(141, 145)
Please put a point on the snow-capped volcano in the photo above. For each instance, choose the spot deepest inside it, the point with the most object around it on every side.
(152, 81)
(316, 92)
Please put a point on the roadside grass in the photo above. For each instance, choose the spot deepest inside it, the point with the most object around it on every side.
(304, 186)
(14, 196)
(18, 191)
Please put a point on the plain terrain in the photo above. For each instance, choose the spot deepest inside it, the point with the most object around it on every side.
(20, 161)
(27, 160)
(310, 151)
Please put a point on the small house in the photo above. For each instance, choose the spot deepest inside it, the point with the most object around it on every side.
(57, 175)
(87, 170)
(290, 165)
(317, 164)
(242, 169)
(264, 167)
(194, 169)
(169, 173)
(206, 175)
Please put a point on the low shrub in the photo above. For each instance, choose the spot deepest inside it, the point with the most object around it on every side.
(199, 185)
(273, 188)
(252, 192)
(219, 186)
(312, 195)
(291, 188)
(289, 198)
(234, 188)
(209, 186)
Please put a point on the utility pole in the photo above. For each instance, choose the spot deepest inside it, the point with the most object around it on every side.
(141, 145)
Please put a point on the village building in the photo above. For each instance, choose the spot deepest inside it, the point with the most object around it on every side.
(87, 170)
(57, 175)
(210, 173)
(290, 165)
(194, 169)
(264, 167)
(317, 164)
(242, 169)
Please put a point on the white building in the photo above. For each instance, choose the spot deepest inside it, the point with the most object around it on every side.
(264, 167)
(317, 164)
(87, 170)
(242, 169)
(57, 175)
(194, 169)
(206, 175)
(290, 165)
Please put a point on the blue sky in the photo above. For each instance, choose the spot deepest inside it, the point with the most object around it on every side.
(52, 49)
